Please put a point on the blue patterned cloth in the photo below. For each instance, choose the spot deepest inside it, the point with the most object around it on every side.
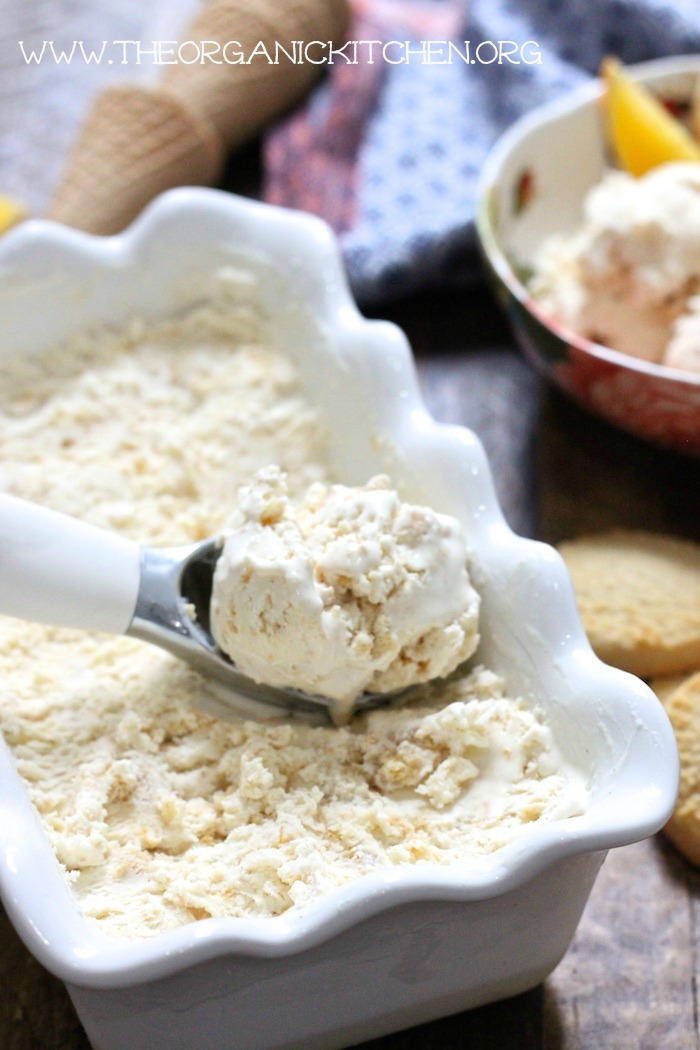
(428, 127)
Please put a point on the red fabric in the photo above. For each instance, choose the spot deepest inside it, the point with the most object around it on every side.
(310, 159)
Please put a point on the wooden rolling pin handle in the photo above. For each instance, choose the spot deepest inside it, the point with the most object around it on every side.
(240, 94)
(138, 142)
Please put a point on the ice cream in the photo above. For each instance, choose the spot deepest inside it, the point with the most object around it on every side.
(683, 350)
(628, 276)
(162, 814)
(345, 591)
(163, 805)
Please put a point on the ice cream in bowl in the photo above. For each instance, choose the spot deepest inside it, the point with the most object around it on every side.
(596, 258)
(169, 850)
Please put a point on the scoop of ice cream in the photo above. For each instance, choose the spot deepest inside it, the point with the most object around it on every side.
(347, 590)
(645, 230)
(683, 350)
(626, 275)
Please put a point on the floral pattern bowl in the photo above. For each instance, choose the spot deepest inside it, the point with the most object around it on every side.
(533, 185)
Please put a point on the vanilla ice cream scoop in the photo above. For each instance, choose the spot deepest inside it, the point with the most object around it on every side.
(628, 273)
(349, 588)
(347, 591)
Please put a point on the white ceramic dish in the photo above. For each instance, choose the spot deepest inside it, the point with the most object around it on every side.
(532, 186)
(405, 945)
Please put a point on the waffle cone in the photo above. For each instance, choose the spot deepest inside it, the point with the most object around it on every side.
(240, 99)
(135, 143)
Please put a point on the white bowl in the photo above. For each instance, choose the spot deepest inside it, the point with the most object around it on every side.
(532, 186)
(404, 945)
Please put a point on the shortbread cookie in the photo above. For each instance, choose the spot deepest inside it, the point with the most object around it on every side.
(666, 685)
(639, 598)
(683, 708)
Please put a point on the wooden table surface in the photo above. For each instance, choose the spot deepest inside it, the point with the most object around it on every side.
(629, 979)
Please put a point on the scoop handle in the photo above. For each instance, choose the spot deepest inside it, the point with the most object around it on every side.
(57, 570)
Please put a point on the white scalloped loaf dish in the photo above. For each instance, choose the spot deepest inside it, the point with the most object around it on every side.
(405, 945)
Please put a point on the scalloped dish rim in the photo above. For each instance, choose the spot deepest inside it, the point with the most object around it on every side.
(31, 884)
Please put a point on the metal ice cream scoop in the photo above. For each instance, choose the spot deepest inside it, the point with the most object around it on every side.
(55, 569)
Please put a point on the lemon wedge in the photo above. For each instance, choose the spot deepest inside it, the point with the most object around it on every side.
(642, 132)
(11, 212)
